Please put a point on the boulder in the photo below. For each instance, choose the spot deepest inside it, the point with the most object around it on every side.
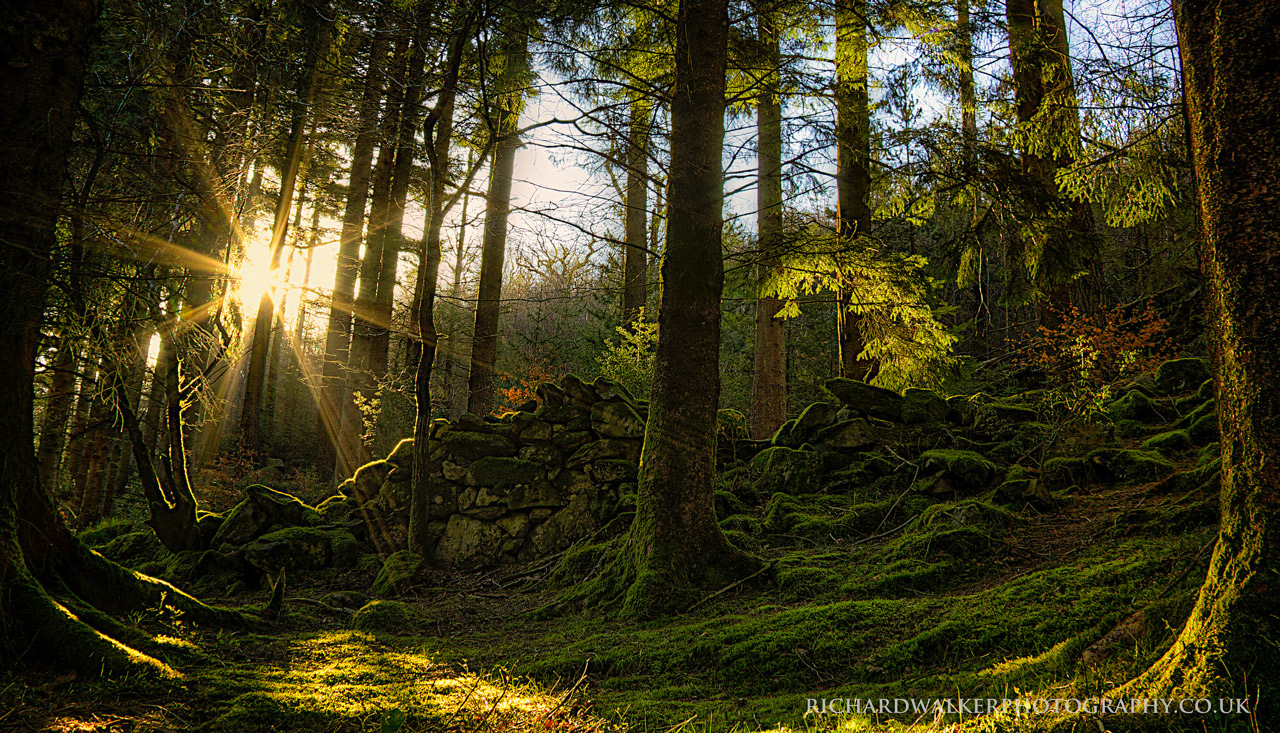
(291, 548)
(964, 470)
(469, 543)
(261, 509)
(866, 399)
(616, 420)
(472, 445)
(578, 393)
(1137, 406)
(1178, 376)
(1169, 443)
(497, 471)
(923, 406)
(815, 417)
(847, 435)
(399, 572)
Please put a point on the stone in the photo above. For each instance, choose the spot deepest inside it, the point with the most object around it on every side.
(847, 434)
(575, 521)
(1137, 406)
(1121, 465)
(261, 509)
(291, 548)
(866, 399)
(616, 420)
(1206, 390)
(569, 441)
(516, 525)
(923, 406)
(965, 469)
(578, 393)
(1177, 376)
(543, 455)
(1020, 487)
(539, 493)
(536, 431)
(550, 395)
(469, 543)
(609, 389)
(1205, 430)
(399, 572)
(368, 479)
(603, 449)
(527, 406)
(1169, 443)
(813, 418)
(473, 446)
(785, 436)
(471, 423)
(452, 471)
(402, 455)
(497, 471)
(613, 470)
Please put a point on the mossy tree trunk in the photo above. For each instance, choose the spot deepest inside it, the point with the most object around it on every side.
(506, 121)
(635, 259)
(338, 337)
(675, 543)
(853, 173)
(769, 382)
(1231, 67)
(54, 592)
(437, 137)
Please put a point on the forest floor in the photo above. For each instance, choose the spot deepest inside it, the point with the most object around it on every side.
(1065, 603)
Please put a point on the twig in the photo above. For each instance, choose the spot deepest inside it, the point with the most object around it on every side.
(731, 586)
(565, 698)
(885, 533)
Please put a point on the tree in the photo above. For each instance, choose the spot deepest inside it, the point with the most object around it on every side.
(676, 544)
(853, 172)
(1231, 68)
(484, 343)
(51, 587)
(769, 385)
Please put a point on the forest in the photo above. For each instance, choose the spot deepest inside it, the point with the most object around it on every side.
(674, 366)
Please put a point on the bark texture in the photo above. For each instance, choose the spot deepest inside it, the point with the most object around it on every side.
(1231, 65)
(676, 545)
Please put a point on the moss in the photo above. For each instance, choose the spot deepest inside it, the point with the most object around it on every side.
(502, 471)
(578, 561)
(252, 711)
(105, 531)
(923, 406)
(1205, 430)
(398, 573)
(787, 470)
(782, 436)
(388, 617)
(969, 468)
(136, 548)
(292, 548)
(1169, 443)
(1177, 376)
(1206, 390)
(728, 504)
(1136, 406)
(808, 582)
(1112, 464)
(814, 418)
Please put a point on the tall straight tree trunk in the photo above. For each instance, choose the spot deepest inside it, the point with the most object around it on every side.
(337, 347)
(769, 382)
(853, 172)
(1044, 92)
(484, 342)
(318, 49)
(676, 544)
(1231, 67)
(635, 259)
(363, 371)
(57, 411)
(437, 137)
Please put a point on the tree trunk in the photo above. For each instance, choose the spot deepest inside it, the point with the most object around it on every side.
(769, 383)
(338, 337)
(1231, 67)
(853, 172)
(1044, 92)
(40, 75)
(484, 342)
(437, 136)
(676, 544)
(635, 259)
(318, 49)
(57, 411)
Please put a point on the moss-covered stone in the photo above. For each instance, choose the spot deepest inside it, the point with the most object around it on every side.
(616, 419)
(472, 445)
(262, 509)
(498, 471)
(1128, 465)
(847, 435)
(1178, 376)
(252, 711)
(1020, 487)
(1168, 443)
(788, 470)
(291, 548)
(612, 471)
(135, 548)
(1013, 413)
(1206, 390)
(1204, 430)
(866, 399)
(1136, 406)
(970, 469)
(1065, 471)
(468, 542)
(814, 418)
(398, 574)
(923, 406)
(388, 617)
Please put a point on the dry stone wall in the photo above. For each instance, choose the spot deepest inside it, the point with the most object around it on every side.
(512, 489)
